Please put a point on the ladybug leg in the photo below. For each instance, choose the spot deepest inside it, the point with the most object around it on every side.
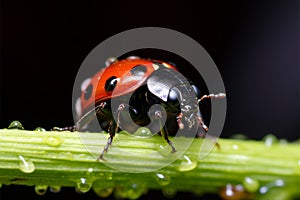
(202, 124)
(205, 128)
(164, 130)
(212, 96)
(113, 129)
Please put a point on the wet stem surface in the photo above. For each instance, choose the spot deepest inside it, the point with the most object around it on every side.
(240, 169)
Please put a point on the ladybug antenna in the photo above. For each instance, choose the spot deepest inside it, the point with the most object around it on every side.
(212, 96)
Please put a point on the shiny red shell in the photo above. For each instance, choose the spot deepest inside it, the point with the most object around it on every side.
(126, 82)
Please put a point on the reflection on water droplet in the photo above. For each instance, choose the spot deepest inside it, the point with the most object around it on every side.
(83, 185)
(53, 141)
(16, 125)
(26, 166)
(162, 179)
(90, 170)
(41, 189)
(234, 192)
(263, 189)
(143, 132)
(235, 147)
(187, 164)
(251, 184)
(103, 192)
(40, 129)
(270, 140)
(55, 189)
(277, 183)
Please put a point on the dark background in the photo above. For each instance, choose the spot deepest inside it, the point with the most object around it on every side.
(255, 45)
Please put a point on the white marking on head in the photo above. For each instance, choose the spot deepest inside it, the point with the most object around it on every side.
(110, 60)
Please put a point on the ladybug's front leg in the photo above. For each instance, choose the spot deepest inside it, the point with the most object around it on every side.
(164, 130)
(112, 130)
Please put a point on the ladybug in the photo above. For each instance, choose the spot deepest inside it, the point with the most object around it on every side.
(136, 85)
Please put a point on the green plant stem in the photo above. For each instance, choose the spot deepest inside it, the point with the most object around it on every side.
(62, 159)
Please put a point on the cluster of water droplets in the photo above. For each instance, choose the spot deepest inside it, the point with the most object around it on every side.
(131, 190)
(248, 187)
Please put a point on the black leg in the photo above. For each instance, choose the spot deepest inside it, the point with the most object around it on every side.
(164, 130)
(113, 129)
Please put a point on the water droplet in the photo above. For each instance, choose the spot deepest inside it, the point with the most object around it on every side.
(187, 164)
(283, 142)
(90, 170)
(40, 129)
(234, 192)
(120, 193)
(53, 141)
(103, 192)
(143, 132)
(130, 191)
(169, 192)
(83, 185)
(239, 137)
(270, 140)
(162, 179)
(109, 177)
(277, 183)
(235, 147)
(250, 184)
(16, 125)
(26, 166)
(263, 189)
(55, 189)
(135, 191)
(41, 189)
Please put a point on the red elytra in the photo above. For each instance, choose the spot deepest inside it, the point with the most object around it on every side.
(126, 81)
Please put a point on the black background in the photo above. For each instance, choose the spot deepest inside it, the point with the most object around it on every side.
(255, 45)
